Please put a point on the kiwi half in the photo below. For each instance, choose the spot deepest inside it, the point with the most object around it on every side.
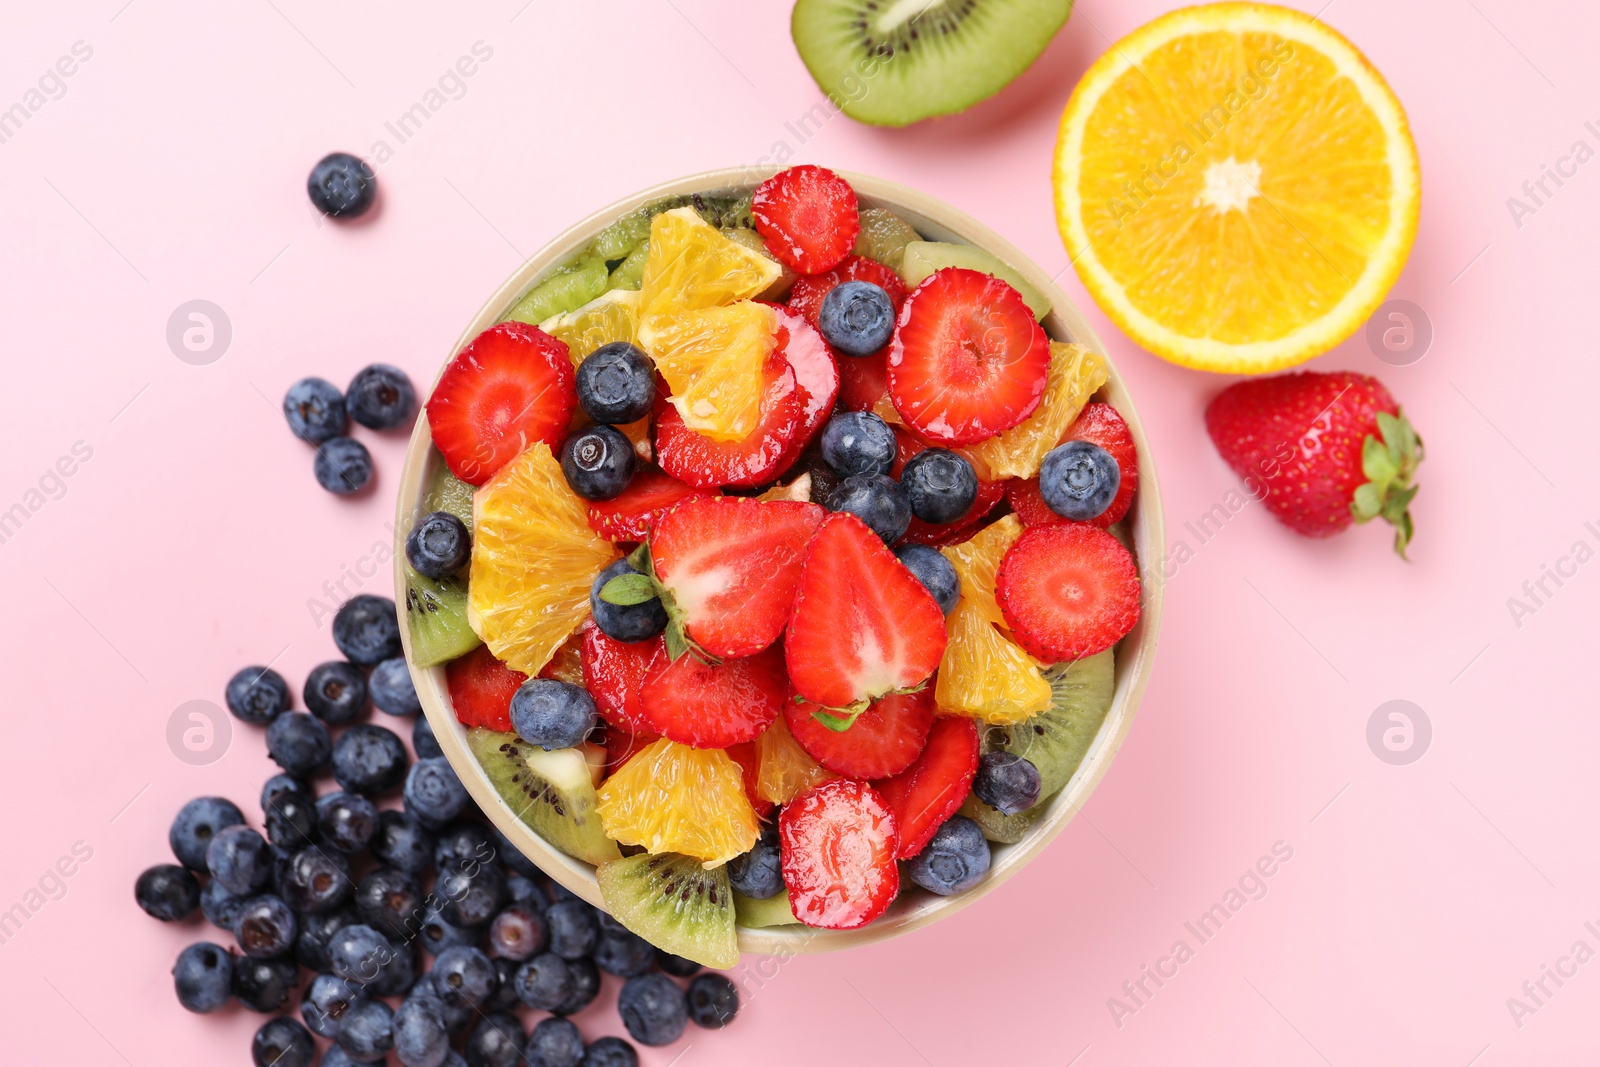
(675, 904)
(998, 827)
(449, 493)
(921, 258)
(756, 914)
(552, 792)
(568, 289)
(893, 62)
(1056, 739)
(436, 615)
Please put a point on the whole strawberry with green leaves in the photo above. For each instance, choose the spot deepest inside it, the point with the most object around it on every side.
(1320, 450)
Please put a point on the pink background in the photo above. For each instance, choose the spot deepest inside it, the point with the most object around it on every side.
(1418, 899)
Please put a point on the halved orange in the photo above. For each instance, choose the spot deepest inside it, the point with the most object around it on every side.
(1237, 186)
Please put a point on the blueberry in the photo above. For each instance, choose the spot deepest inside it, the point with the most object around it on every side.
(392, 689)
(653, 1009)
(438, 933)
(197, 822)
(265, 927)
(299, 743)
(497, 1041)
(472, 893)
(464, 972)
(422, 739)
(585, 986)
(336, 692)
(368, 1031)
(936, 573)
(403, 842)
(264, 985)
(282, 1042)
(713, 1001)
(219, 906)
(380, 397)
(420, 1037)
(390, 901)
(955, 859)
(317, 931)
(616, 384)
(257, 695)
(438, 545)
(518, 932)
(358, 953)
(342, 186)
(433, 792)
(238, 857)
(940, 485)
(858, 442)
(620, 951)
(857, 318)
(398, 973)
(555, 1043)
(758, 874)
(203, 977)
(552, 714)
(316, 880)
(463, 841)
(598, 462)
(878, 501)
(315, 410)
(325, 1002)
(1078, 480)
(167, 892)
(676, 966)
(544, 982)
(504, 997)
(338, 1057)
(1006, 782)
(367, 630)
(610, 1052)
(457, 1012)
(290, 808)
(346, 821)
(342, 466)
(625, 622)
(574, 928)
(524, 890)
(369, 760)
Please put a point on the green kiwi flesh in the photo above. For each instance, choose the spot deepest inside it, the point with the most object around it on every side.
(550, 791)
(758, 914)
(894, 62)
(1056, 740)
(997, 827)
(449, 493)
(922, 258)
(436, 615)
(674, 903)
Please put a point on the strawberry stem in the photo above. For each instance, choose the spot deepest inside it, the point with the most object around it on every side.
(1389, 464)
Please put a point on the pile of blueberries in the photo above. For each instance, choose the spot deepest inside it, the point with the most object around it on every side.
(380, 397)
(343, 889)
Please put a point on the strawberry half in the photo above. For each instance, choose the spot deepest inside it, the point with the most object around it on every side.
(928, 792)
(699, 461)
(1098, 424)
(809, 217)
(713, 706)
(863, 380)
(481, 688)
(1067, 591)
(882, 741)
(968, 359)
(728, 568)
(816, 375)
(613, 672)
(863, 626)
(838, 844)
(629, 515)
(807, 295)
(511, 387)
(907, 445)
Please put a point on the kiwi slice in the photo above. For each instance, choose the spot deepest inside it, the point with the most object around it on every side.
(997, 827)
(436, 614)
(1056, 739)
(884, 236)
(675, 904)
(568, 289)
(449, 493)
(922, 258)
(552, 792)
(893, 62)
(629, 274)
(757, 914)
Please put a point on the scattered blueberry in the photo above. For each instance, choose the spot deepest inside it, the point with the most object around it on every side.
(420, 1036)
(518, 932)
(422, 739)
(257, 695)
(463, 841)
(299, 743)
(438, 545)
(585, 986)
(616, 384)
(552, 714)
(368, 1031)
(438, 933)
(398, 974)
(514, 859)
(390, 901)
(317, 931)
(457, 1012)
(544, 982)
(940, 485)
(290, 808)
(346, 821)
(713, 1001)
(625, 622)
(265, 927)
(219, 906)
(954, 860)
(857, 318)
(1078, 480)
(203, 977)
(358, 953)
(342, 186)
(367, 630)
(167, 892)
(1006, 782)
(315, 410)
(264, 985)
(936, 573)
(555, 1043)
(497, 1041)
(238, 857)
(504, 997)
(620, 951)
(343, 465)
(758, 874)
(433, 792)
(392, 689)
(574, 928)
(676, 966)
(858, 442)
(878, 501)
(610, 1052)
(403, 842)
(380, 397)
(282, 1042)
(369, 760)
(325, 1002)
(315, 881)
(653, 1009)
(472, 893)
(195, 825)
(336, 692)
(465, 972)
(598, 462)
(338, 1057)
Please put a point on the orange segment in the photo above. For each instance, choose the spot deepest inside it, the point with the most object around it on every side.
(1075, 373)
(673, 798)
(713, 360)
(784, 770)
(976, 560)
(692, 265)
(600, 322)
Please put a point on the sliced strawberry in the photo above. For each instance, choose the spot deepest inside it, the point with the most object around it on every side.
(807, 295)
(815, 374)
(510, 388)
(863, 380)
(749, 761)
(698, 460)
(863, 626)
(928, 792)
(613, 672)
(838, 846)
(1100, 424)
(809, 217)
(908, 444)
(1067, 591)
(695, 703)
(1025, 499)
(481, 688)
(621, 746)
(882, 741)
(968, 358)
(629, 515)
(729, 566)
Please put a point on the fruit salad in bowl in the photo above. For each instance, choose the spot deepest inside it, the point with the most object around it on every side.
(776, 553)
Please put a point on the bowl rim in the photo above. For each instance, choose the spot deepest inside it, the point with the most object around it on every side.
(1135, 656)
